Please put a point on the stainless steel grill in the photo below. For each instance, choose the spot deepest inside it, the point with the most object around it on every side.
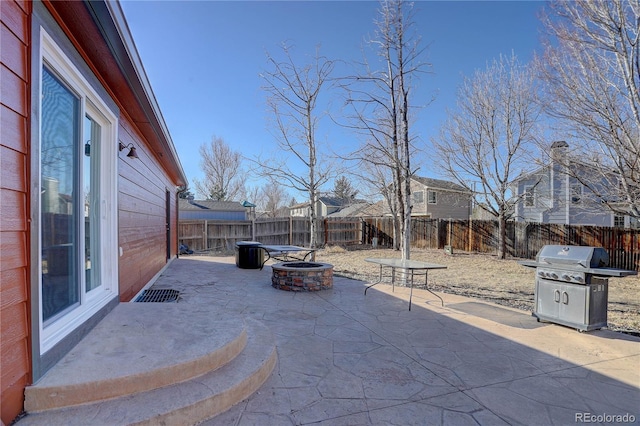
(572, 285)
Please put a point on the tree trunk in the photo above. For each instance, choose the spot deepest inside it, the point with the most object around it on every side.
(502, 231)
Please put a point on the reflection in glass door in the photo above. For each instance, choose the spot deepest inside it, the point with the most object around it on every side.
(59, 195)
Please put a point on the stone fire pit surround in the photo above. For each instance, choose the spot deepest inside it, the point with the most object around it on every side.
(302, 276)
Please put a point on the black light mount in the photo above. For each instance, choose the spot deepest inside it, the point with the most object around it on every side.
(132, 149)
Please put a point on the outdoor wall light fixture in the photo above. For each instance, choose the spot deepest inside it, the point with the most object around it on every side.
(87, 148)
(132, 149)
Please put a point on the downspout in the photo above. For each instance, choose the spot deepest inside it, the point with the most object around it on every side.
(180, 190)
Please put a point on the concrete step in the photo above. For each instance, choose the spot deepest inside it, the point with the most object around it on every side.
(139, 347)
(192, 398)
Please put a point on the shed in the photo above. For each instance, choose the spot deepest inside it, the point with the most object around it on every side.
(211, 210)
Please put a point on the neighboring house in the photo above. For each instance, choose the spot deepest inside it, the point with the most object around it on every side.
(550, 194)
(352, 210)
(89, 182)
(376, 209)
(440, 199)
(212, 210)
(324, 207)
(299, 210)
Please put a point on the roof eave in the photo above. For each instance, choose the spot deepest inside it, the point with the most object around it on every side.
(110, 18)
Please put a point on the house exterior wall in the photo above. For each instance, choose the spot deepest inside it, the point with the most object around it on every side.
(146, 185)
(323, 210)
(449, 204)
(540, 187)
(142, 186)
(299, 211)
(552, 200)
(14, 231)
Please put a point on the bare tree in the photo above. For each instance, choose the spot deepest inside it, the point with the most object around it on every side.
(293, 93)
(274, 197)
(380, 182)
(382, 109)
(270, 198)
(485, 142)
(222, 171)
(592, 71)
(253, 194)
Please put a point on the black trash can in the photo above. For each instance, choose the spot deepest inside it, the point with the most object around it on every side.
(249, 255)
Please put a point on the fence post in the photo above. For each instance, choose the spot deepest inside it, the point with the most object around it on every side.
(290, 230)
(326, 231)
(204, 236)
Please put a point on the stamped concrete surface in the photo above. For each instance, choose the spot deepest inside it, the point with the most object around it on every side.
(349, 359)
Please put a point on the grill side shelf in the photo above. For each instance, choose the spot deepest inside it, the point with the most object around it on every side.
(611, 272)
(529, 263)
(598, 272)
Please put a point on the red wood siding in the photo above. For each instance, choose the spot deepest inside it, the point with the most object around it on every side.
(142, 186)
(142, 183)
(14, 235)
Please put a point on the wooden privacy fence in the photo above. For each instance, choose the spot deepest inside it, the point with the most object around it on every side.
(524, 240)
(217, 235)
(213, 235)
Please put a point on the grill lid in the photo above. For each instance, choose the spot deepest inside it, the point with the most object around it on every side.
(586, 257)
(580, 259)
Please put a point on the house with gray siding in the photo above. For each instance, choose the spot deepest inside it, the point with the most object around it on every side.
(324, 207)
(440, 199)
(553, 194)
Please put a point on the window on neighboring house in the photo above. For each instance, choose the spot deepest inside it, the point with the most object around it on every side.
(78, 198)
(418, 197)
(618, 221)
(529, 196)
(432, 197)
(576, 193)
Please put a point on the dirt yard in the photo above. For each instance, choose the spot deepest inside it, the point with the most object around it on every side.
(485, 277)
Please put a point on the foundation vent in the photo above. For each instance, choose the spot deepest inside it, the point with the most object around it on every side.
(159, 295)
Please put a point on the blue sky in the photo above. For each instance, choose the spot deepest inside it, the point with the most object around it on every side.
(204, 59)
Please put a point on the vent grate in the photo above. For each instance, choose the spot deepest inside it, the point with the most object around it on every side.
(160, 295)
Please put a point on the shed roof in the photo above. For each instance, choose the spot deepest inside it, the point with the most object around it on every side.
(351, 210)
(199, 205)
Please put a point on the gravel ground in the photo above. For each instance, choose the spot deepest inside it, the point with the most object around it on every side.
(481, 276)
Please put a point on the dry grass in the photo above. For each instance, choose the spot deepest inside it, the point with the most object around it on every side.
(485, 277)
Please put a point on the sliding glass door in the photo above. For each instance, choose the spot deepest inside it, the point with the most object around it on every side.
(78, 211)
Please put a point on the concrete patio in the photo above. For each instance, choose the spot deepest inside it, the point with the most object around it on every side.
(348, 359)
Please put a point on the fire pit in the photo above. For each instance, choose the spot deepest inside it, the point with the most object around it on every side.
(302, 276)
